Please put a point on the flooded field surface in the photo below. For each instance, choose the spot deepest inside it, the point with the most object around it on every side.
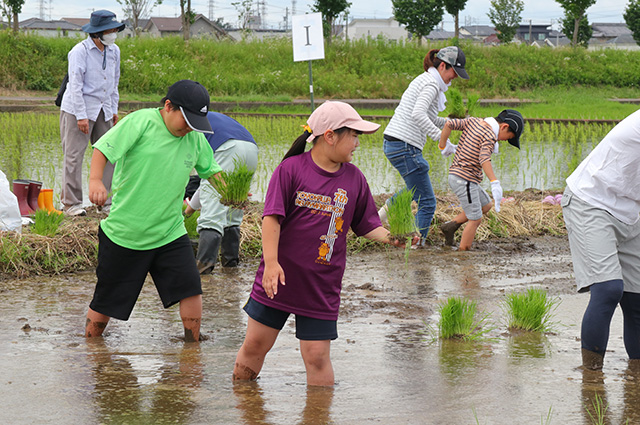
(388, 368)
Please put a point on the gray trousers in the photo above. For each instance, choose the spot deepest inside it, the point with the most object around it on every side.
(74, 145)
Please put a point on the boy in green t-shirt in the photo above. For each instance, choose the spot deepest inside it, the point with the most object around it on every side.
(154, 151)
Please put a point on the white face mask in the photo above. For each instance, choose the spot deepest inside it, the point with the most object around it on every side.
(109, 39)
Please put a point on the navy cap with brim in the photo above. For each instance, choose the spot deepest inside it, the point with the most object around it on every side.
(102, 20)
(462, 73)
(516, 123)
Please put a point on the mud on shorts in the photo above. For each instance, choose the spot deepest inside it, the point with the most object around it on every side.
(602, 247)
(122, 271)
(471, 195)
(307, 328)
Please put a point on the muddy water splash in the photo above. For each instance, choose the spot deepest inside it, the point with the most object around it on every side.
(388, 367)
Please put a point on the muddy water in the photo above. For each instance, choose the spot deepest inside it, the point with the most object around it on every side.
(388, 370)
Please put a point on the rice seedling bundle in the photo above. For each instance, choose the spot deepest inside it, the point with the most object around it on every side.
(402, 224)
(530, 310)
(458, 320)
(234, 186)
(46, 223)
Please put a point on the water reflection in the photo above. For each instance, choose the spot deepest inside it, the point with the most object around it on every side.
(528, 344)
(460, 358)
(252, 405)
(594, 398)
(144, 387)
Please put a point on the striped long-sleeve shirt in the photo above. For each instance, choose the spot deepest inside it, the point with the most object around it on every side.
(474, 148)
(416, 117)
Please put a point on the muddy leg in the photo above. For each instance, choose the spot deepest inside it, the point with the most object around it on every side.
(191, 314)
(257, 343)
(96, 322)
(468, 234)
(317, 361)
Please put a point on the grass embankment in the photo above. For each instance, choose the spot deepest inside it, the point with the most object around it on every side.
(265, 71)
(74, 247)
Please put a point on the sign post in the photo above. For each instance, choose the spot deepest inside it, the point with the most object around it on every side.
(308, 42)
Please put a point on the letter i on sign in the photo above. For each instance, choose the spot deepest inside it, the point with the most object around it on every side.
(308, 43)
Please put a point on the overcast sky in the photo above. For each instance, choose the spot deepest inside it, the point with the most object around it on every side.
(536, 11)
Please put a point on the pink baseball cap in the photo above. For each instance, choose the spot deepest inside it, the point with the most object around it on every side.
(332, 115)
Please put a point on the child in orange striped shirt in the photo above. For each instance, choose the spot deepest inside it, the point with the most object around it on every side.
(473, 158)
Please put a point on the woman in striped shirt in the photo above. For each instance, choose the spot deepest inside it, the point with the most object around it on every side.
(415, 118)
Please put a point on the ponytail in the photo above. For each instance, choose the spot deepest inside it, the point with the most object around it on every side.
(430, 60)
(298, 146)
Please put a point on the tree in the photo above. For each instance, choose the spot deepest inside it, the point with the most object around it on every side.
(11, 9)
(419, 16)
(244, 9)
(584, 30)
(330, 10)
(576, 10)
(188, 17)
(505, 17)
(632, 18)
(138, 9)
(454, 7)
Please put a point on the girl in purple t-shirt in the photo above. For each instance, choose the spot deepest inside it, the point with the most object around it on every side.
(313, 199)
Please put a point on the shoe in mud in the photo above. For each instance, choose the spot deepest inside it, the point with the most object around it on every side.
(592, 360)
(75, 211)
(449, 230)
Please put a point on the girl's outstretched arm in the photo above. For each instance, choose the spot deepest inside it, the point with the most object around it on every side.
(380, 234)
(273, 272)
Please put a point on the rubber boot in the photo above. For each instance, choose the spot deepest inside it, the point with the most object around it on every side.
(41, 200)
(47, 195)
(21, 190)
(34, 191)
(208, 249)
(230, 249)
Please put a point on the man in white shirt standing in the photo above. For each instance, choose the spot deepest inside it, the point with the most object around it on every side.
(90, 104)
(601, 207)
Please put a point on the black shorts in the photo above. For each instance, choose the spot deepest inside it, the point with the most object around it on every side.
(122, 271)
(307, 328)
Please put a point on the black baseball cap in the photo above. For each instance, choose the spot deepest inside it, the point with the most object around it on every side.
(516, 124)
(193, 100)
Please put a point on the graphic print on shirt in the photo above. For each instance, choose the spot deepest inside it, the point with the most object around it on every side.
(321, 204)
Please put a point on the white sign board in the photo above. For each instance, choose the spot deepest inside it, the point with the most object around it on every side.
(308, 40)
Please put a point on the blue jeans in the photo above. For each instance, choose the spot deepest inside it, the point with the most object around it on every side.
(414, 169)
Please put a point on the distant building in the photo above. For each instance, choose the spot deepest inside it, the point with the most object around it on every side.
(477, 32)
(529, 33)
(440, 35)
(201, 27)
(44, 28)
(260, 34)
(388, 28)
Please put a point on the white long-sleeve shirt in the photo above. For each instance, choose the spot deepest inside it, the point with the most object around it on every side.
(92, 88)
(609, 177)
(416, 117)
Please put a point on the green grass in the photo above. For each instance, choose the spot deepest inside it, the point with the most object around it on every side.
(191, 223)
(45, 223)
(531, 310)
(459, 319)
(597, 411)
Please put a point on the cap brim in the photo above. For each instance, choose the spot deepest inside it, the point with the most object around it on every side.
(367, 127)
(515, 142)
(461, 72)
(196, 122)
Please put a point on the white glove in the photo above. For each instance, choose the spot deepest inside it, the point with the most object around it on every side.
(496, 148)
(496, 191)
(449, 149)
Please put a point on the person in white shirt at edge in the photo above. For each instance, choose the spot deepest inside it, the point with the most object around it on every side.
(90, 104)
(415, 118)
(601, 207)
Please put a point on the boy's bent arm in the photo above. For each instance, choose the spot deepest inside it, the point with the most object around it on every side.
(97, 192)
(488, 170)
(273, 272)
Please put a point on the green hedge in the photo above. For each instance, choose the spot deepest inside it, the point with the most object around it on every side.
(359, 69)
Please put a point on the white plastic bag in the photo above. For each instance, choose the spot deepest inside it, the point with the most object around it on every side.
(9, 210)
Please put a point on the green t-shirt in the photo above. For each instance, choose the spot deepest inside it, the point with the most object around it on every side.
(151, 173)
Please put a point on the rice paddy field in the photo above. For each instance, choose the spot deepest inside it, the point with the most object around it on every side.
(31, 148)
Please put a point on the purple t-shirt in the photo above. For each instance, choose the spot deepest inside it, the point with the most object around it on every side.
(316, 209)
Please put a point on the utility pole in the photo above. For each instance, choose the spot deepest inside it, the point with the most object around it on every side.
(530, 40)
(211, 10)
(293, 7)
(41, 5)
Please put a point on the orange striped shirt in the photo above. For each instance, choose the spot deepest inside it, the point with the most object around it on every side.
(474, 148)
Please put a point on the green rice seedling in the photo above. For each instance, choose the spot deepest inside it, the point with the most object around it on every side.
(531, 310)
(234, 186)
(597, 411)
(455, 106)
(191, 223)
(46, 223)
(472, 104)
(402, 224)
(458, 320)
